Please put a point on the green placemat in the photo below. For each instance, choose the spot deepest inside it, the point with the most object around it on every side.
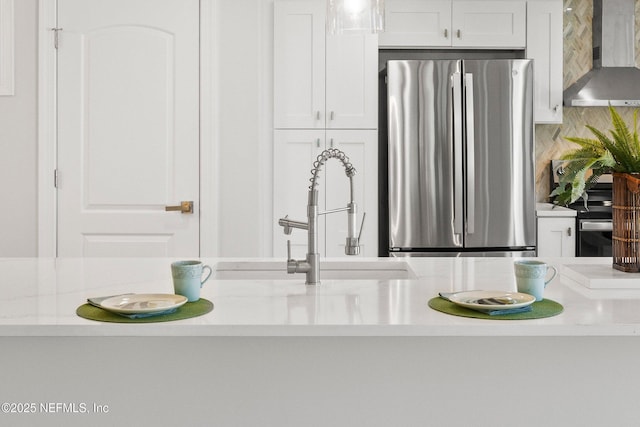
(186, 311)
(540, 309)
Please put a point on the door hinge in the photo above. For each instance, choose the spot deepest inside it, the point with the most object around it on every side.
(55, 178)
(55, 36)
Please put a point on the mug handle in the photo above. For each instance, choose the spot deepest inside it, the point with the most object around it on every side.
(204, 267)
(552, 276)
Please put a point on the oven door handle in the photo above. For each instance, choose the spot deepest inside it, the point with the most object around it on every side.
(596, 225)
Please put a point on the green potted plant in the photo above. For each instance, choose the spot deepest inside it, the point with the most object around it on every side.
(617, 152)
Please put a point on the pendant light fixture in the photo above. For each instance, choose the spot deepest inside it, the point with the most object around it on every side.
(355, 16)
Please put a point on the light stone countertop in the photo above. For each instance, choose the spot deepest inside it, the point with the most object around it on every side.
(551, 210)
(361, 348)
(40, 297)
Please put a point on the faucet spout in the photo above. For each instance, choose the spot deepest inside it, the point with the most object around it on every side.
(352, 245)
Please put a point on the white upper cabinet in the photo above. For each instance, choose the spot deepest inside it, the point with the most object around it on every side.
(544, 45)
(352, 82)
(321, 81)
(299, 64)
(489, 24)
(416, 23)
(454, 23)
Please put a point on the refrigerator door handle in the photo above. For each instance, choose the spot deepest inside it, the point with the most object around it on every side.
(471, 176)
(456, 123)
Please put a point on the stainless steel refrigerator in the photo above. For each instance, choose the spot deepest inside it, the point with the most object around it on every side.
(459, 140)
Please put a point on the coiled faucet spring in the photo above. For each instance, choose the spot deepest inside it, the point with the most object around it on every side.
(331, 153)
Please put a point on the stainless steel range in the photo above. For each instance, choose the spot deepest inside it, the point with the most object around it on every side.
(594, 215)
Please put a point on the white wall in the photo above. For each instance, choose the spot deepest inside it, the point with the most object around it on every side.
(245, 34)
(18, 143)
(243, 138)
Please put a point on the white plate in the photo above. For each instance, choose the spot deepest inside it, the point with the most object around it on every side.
(142, 303)
(491, 300)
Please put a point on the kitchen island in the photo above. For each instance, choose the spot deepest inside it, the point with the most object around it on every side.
(364, 351)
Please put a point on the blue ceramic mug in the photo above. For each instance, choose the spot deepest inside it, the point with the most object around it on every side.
(187, 278)
(531, 277)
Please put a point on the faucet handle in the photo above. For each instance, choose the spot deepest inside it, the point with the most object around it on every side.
(289, 224)
(364, 215)
(285, 224)
(293, 266)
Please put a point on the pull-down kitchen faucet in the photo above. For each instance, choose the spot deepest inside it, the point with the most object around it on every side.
(311, 265)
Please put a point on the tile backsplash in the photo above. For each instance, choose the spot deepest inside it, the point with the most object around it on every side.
(577, 61)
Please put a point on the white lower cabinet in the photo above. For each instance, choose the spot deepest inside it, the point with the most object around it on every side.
(556, 236)
(294, 154)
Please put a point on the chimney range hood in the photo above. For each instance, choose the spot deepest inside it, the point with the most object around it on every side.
(614, 78)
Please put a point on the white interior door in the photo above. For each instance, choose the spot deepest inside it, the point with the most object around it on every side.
(128, 127)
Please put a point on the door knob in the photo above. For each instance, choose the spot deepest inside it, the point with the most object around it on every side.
(184, 207)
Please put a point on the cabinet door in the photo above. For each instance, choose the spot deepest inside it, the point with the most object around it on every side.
(352, 81)
(544, 45)
(489, 24)
(299, 64)
(362, 149)
(417, 23)
(556, 237)
(294, 153)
